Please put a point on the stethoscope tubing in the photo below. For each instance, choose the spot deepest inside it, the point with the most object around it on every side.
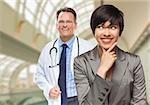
(54, 62)
(56, 51)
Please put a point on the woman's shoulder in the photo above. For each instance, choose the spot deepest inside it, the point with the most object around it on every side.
(132, 58)
(89, 54)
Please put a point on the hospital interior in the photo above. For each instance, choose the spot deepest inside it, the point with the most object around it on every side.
(27, 25)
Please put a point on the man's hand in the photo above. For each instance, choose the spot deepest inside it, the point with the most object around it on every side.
(54, 93)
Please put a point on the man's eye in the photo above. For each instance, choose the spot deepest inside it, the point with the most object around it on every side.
(68, 21)
(61, 22)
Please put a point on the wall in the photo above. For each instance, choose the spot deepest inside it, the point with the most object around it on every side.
(143, 51)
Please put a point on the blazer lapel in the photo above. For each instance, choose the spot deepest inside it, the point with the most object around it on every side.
(94, 59)
(119, 67)
(118, 73)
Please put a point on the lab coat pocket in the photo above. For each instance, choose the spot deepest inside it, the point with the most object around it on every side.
(53, 73)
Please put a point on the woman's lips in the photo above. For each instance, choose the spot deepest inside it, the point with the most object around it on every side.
(106, 40)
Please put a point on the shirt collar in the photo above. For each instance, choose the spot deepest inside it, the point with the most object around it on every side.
(69, 42)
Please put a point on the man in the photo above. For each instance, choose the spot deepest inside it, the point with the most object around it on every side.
(50, 65)
(108, 75)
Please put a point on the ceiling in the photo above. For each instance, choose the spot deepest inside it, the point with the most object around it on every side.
(41, 14)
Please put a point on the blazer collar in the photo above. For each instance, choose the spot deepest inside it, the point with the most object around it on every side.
(119, 66)
(119, 70)
(94, 54)
(94, 59)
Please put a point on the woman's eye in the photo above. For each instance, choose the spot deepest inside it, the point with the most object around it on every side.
(100, 27)
(113, 27)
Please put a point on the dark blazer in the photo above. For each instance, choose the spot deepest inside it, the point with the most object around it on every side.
(127, 86)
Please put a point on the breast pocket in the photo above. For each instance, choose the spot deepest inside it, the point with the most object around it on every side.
(52, 74)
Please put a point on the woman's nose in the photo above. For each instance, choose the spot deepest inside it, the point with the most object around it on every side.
(106, 32)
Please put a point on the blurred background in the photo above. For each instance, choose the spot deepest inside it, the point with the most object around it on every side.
(27, 25)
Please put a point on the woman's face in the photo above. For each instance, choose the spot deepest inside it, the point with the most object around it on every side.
(107, 34)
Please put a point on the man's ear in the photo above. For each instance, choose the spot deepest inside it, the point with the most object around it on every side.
(76, 25)
(57, 25)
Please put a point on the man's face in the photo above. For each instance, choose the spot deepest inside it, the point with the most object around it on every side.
(107, 34)
(66, 25)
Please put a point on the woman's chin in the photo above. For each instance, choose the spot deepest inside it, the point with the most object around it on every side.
(106, 47)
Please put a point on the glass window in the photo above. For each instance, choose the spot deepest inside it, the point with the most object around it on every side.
(42, 13)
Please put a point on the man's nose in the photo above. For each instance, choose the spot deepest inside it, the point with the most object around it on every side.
(65, 24)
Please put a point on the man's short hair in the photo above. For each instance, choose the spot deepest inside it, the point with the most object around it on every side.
(67, 9)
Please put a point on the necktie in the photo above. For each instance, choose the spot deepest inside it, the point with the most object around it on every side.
(62, 75)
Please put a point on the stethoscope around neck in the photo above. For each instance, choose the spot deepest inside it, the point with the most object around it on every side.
(54, 50)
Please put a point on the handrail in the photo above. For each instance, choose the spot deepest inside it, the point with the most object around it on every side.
(145, 34)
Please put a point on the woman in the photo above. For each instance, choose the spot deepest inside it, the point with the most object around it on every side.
(108, 75)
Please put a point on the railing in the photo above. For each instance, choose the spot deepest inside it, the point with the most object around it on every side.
(19, 98)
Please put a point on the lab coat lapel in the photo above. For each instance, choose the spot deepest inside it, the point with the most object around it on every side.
(74, 53)
(56, 69)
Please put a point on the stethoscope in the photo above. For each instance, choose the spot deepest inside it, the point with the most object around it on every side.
(54, 50)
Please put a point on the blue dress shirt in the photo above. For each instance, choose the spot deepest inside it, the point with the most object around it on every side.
(71, 87)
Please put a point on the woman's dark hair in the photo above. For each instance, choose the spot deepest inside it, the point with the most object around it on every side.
(67, 9)
(107, 13)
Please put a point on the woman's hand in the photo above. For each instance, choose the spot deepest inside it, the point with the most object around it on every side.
(107, 60)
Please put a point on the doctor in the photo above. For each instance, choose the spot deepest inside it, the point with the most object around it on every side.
(48, 68)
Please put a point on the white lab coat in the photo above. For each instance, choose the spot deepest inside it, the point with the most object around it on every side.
(46, 77)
